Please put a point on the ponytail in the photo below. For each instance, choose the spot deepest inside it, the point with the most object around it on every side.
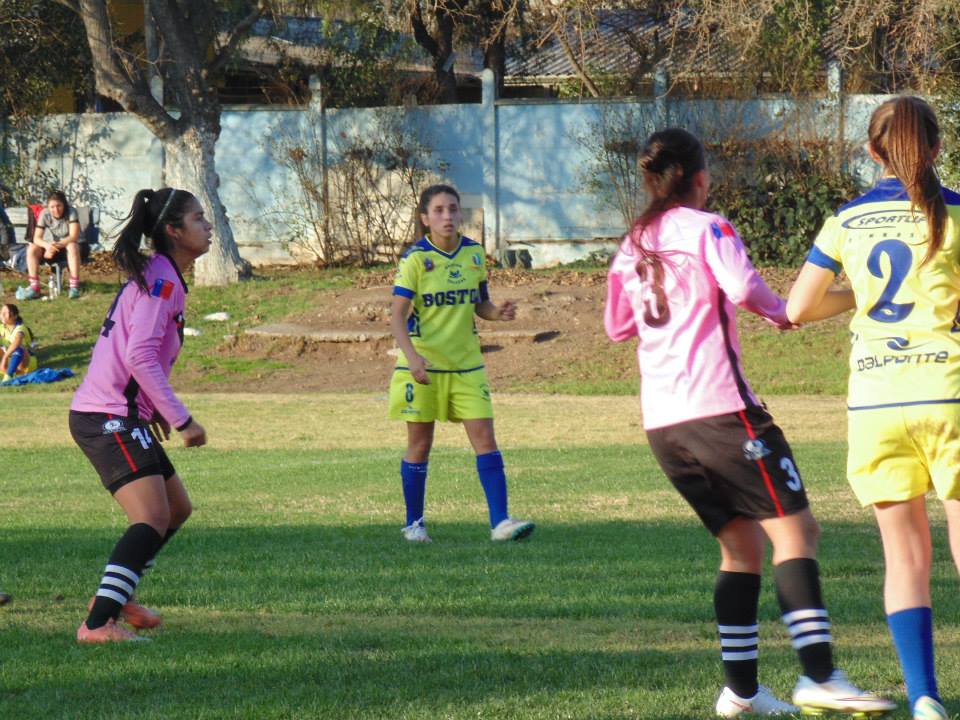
(903, 133)
(149, 216)
(669, 160)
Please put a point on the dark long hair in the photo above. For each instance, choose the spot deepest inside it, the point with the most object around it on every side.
(903, 133)
(152, 211)
(669, 160)
(13, 310)
(425, 197)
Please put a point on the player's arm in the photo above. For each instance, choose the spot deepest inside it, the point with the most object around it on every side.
(73, 233)
(489, 310)
(619, 321)
(813, 298)
(740, 281)
(148, 325)
(49, 247)
(399, 312)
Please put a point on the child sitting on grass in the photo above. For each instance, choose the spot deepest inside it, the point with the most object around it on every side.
(16, 339)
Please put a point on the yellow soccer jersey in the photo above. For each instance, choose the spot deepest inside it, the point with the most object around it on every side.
(7, 335)
(445, 289)
(906, 328)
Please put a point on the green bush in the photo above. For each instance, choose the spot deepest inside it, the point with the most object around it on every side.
(778, 194)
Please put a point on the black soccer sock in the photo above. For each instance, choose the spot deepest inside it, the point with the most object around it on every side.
(152, 562)
(137, 545)
(735, 599)
(801, 602)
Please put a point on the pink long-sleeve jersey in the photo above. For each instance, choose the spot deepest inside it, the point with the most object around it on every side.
(679, 301)
(138, 344)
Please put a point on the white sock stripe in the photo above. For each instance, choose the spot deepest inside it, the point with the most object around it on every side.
(739, 629)
(738, 642)
(103, 592)
(802, 627)
(808, 614)
(802, 642)
(735, 656)
(121, 570)
(118, 583)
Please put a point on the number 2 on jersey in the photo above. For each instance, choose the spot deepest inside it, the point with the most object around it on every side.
(901, 258)
(656, 313)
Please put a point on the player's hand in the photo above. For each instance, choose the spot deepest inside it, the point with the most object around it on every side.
(50, 251)
(782, 324)
(418, 368)
(508, 311)
(194, 435)
(160, 427)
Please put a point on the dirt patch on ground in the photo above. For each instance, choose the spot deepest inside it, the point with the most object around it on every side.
(557, 336)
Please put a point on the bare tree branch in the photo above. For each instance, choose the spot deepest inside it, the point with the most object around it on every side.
(70, 5)
(115, 79)
(236, 35)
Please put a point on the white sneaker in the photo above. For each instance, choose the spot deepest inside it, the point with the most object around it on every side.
(730, 705)
(838, 694)
(416, 532)
(926, 708)
(510, 529)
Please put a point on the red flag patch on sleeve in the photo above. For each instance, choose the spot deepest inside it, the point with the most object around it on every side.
(723, 229)
(162, 289)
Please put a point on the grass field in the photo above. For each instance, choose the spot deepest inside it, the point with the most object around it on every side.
(65, 331)
(290, 593)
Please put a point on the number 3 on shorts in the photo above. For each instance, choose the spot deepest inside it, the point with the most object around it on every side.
(409, 392)
(794, 483)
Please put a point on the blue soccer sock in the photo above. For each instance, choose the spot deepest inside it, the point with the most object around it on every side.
(912, 631)
(13, 362)
(494, 482)
(414, 477)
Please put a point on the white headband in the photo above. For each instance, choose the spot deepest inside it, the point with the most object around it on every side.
(163, 211)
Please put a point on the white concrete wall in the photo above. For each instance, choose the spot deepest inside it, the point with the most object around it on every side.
(518, 163)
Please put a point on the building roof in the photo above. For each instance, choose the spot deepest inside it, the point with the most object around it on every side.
(623, 42)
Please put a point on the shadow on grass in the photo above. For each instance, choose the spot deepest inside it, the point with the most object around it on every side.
(598, 620)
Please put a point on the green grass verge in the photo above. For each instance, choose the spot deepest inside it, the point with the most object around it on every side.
(290, 593)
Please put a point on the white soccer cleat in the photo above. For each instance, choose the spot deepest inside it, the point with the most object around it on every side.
(510, 529)
(416, 532)
(730, 705)
(926, 708)
(839, 695)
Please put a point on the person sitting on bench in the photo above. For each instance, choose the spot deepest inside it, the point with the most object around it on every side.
(57, 234)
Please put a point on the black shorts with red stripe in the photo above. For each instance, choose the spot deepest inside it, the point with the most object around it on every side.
(121, 449)
(728, 466)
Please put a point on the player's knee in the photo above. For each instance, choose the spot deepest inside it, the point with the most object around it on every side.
(158, 519)
(180, 514)
(811, 529)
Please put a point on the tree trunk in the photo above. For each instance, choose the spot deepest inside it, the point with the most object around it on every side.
(190, 166)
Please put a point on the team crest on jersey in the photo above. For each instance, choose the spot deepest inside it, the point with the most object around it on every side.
(477, 260)
(180, 321)
(428, 264)
(162, 289)
(755, 450)
(113, 426)
(455, 274)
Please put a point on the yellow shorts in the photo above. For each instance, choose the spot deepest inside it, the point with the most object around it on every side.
(900, 453)
(449, 396)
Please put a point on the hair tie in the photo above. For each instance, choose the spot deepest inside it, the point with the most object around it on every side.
(163, 211)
